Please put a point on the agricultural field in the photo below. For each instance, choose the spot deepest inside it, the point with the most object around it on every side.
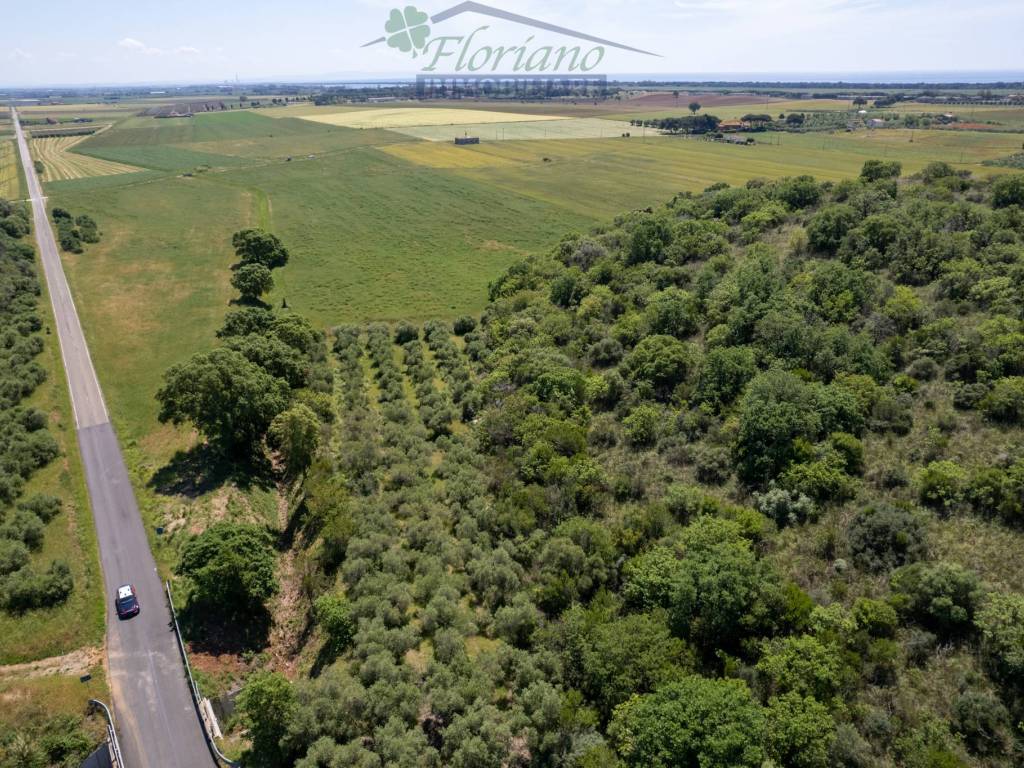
(10, 184)
(531, 130)
(61, 163)
(407, 118)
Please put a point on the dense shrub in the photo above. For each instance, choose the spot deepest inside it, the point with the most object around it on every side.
(1005, 401)
(941, 484)
(230, 566)
(27, 588)
(1008, 190)
(941, 596)
(694, 722)
(334, 617)
(884, 537)
(1000, 620)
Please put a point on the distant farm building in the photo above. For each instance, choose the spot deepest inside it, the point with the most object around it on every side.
(463, 140)
(733, 125)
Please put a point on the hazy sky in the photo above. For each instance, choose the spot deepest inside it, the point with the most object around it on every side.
(65, 42)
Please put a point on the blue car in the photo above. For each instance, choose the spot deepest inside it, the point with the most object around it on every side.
(127, 602)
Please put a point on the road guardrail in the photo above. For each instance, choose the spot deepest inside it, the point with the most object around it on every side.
(197, 697)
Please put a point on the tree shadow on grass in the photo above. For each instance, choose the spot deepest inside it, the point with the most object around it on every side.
(210, 629)
(244, 301)
(327, 655)
(204, 468)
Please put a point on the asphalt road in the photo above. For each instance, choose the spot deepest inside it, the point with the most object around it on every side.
(157, 724)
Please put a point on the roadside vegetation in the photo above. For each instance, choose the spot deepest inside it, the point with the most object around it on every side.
(680, 496)
(26, 444)
(50, 603)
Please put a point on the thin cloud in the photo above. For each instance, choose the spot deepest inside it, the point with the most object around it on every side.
(19, 55)
(131, 44)
(186, 50)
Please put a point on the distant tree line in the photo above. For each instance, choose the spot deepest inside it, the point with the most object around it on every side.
(688, 124)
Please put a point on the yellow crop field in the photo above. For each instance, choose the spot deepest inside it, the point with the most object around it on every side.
(410, 117)
(10, 188)
(524, 130)
(60, 164)
(436, 154)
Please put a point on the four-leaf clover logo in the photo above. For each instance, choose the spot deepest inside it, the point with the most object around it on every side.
(408, 30)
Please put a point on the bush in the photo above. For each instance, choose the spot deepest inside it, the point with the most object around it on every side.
(884, 537)
(799, 732)
(801, 664)
(823, 480)
(937, 170)
(713, 464)
(828, 227)
(941, 596)
(1008, 190)
(983, 721)
(785, 507)
(13, 555)
(643, 425)
(672, 312)
(26, 589)
(1000, 620)
(1005, 401)
(941, 484)
(42, 505)
(724, 373)
(661, 361)
(24, 526)
(777, 409)
(406, 332)
(463, 325)
(334, 616)
(874, 170)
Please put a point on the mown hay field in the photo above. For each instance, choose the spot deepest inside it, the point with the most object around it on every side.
(407, 117)
(532, 130)
(10, 188)
(60, 164)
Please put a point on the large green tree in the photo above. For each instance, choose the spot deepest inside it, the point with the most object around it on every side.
(692, 723)
(254, 246)
(266, 704)
(231, 567)
(778, 409)
(229, 399)
(252, 281)
(296, 434)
